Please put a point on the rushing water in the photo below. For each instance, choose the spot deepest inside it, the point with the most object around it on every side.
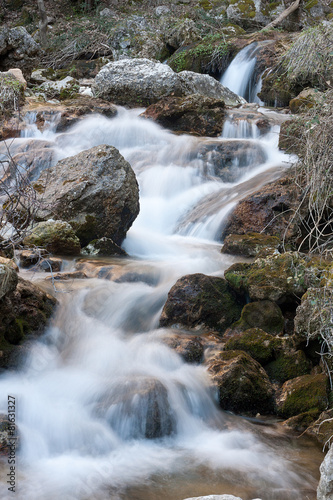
(240, 74)
(82, 404)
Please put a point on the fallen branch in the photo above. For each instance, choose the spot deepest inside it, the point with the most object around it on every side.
(283, 15)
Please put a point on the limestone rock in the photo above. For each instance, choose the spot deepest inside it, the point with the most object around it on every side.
(56, 237)
(200, 301)
(325, 487)
(194, 114)
(96, 191)
(141, 82)
(243, 385)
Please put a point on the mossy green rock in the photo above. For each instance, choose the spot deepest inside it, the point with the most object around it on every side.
(279, 278)
(250, 244)
(303, 394)
(57, 237)
(258, 344)
(288, 366)
(263, 314)
(243, 385)
(322, 428)
(197, 300)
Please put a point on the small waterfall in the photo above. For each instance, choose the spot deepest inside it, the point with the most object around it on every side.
(49, 121)
(239, 76)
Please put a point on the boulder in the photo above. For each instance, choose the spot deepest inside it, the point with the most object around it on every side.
(243, 385)
(251, 244)
(141, 82)
(313, 315)
(325, 487)
(280, 278)
(181, 34)
(17, 48)
(267, 211)
(258, 344)
(142, 403)
(190, 348)
(301, 394)
(200, 301)
(96, 191)
(263, 314)
(194, 114)
(62, 89)
(24, 313)
(55, 236)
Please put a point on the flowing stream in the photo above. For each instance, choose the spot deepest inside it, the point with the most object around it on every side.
(84, 391)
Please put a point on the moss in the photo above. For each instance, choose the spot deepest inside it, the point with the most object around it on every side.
(257, 343)
(288, 366)
(311, 3)
(237, 277)
(303, 394)
(263, 314)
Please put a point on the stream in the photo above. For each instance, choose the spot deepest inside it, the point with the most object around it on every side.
(82, 408)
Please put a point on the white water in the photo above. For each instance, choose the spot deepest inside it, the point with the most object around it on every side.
(238, 77)
(104, 341)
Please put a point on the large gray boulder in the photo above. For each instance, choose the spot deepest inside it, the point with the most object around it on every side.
(96, 191)
(141, 82)
(17, 48)
(325, 487)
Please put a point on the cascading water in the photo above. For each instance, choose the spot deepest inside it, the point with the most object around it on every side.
(105, 409)
(239, 76)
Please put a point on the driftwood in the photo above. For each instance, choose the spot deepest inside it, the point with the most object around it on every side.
(283, 15)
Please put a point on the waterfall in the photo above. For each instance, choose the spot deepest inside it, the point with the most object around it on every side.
(105, 408)
(239, 76)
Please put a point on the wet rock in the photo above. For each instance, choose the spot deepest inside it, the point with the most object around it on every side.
(194, 114)
(142, 403)
(8, 280)
(258, 344)
(228, 159)
(199, 301)
(243, 385)
(56, 237)
(96, 191)
(9, 437)
(288, 365)
(75, 275)
(190, 348)
(24, 313)
(29, 258)
(267, 211)
(141, 82)
(301, 394)
(263, 314)
(51, 264)
(280, 278)
(251, 244)
(103, 247)
(325, 487)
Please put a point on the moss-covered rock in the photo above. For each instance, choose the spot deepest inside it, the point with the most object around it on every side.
(55, 236)
(288, 365)
(197, 300)
(305, 100)
(301, 422)
(250, 244)
(243, 385)
(263, 314)
(258, 344)
(303, 394)
(280, 278)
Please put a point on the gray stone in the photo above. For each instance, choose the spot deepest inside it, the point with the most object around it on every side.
(137, 82)
(325, 487)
